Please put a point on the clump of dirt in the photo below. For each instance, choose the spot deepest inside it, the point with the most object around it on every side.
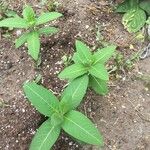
(122, 116)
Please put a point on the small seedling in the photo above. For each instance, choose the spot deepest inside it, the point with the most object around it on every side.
(30, 22)
(90, 64)
(136, 12)
(61, 115)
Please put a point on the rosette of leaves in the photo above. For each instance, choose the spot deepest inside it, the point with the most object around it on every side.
(31, 23)
(93, 65)
(61, 115)
(136, 13)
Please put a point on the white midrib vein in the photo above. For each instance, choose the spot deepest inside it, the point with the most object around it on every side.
(42, 98)
(84, 54)
(100, 58)
(83, 129)
(46, 138)
(97, 81)
(77, 88)
(98, 72)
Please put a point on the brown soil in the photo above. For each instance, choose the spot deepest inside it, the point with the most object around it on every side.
(123, 116)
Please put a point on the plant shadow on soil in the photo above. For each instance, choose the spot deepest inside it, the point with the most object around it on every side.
(123, 116)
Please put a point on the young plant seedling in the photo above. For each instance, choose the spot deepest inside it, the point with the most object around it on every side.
(136, 12)
(30, 22)
(61, 115)
(93, 65)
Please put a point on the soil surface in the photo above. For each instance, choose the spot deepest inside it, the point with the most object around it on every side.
(122, 116)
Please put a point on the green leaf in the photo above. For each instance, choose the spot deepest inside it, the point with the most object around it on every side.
(99, 71)
(28, 14)
(44, 100)
(33, 44)
(75, 92)
(98, 85)
(73, 71)
(83, 52)
(56, 119)
(48, 30)
(148, 21)
(145, 5)
(123, 7)
(80, 127)
(14, 23)
(77, 59)
(102, 55)
(127, 5)
(46, 17)
(21, 40)
(45, 136)
(134, 20)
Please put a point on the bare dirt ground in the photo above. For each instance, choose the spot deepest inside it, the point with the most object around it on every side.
(123, 116)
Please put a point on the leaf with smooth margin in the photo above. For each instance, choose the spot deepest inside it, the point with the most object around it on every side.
(41, 98)
(81, 128)
(73, 71)
(45, 137)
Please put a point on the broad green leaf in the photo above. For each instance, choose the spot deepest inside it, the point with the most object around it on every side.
(14, 23)
(46, 17)
(33, 44)
(75, 91)
(83, 52)
(45, 136)
(80, 127)
(134, 20)
(21, 40)
(28, 14)
(99, 71)
(48, 30)
(127, 5)
(73, 71)
(145, 5)
(42, 99)
(98, 85)
(102, 55)
(123, 7)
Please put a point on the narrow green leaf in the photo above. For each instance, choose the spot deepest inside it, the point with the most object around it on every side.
(45, 137)
(145, 5)
(44, 100)
(33, 44)
(48, 30)
(98, 85)
(73, 71)
(14, 23)
(75, 91)
(46, 17)
(99, 71)
(21, 40)
(80, 127)
(83, 52)
(77, 59)
(28, 14)
(102, 55)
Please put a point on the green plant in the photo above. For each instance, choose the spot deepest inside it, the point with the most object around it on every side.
(30, 22)
(61, 115)
(136, 12)
(91, 65)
